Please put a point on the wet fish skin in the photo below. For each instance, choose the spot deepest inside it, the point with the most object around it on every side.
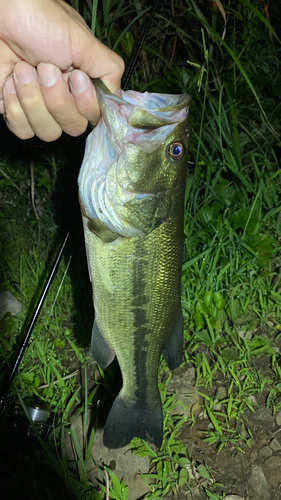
(133, 226)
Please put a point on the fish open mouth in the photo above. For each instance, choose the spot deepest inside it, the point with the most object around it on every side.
(130, 127)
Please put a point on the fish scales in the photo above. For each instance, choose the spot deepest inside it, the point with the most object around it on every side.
(136, 293)
(136, 286)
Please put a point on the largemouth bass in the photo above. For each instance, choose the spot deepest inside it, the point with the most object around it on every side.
(131, 189)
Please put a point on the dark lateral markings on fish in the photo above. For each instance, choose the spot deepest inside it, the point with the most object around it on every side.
(131, 191)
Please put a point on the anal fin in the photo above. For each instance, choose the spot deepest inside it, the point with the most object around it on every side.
(172, 351)
(101, 351)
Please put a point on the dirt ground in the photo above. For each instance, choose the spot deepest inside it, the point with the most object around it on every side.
(253, 474)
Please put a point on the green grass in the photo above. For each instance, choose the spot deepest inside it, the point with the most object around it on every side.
(231, 286)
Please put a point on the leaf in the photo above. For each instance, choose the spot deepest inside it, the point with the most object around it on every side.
(271, 212)
(214, 421)
(202, 308)
(28, 377)
(258, 245)
(127, 43)
(59, 343)
(220, 447)
(210, 495)
(229, 354)
(245, 219)
(80, 462)
(116, 484)
(121, 36)
(203, 336)
(48, 392)
(59, 377)
(203, 471)
(183, 461)
(275, 296)
(199, 320)
(71, 401)
(211, 440)
(183, 477)
(159, 469)
(221, 9)
(36, 382)
(225, 192)
(192, 261)
(208, 298)
(206, 215)
(76, 350)
(261, 345)
(218, 298)
(90, 446)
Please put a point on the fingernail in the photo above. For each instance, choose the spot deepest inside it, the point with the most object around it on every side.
(24, 73)
(48, 74)
(79, 82)
(10, 86)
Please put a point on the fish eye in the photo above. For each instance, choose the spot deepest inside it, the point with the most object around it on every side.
(176, 150)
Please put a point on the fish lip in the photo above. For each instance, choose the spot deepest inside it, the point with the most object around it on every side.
(182, 100)
(101, 88)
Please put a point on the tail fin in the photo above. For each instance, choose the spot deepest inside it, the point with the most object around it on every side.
(127, 420)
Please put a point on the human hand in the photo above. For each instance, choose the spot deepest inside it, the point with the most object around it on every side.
(42, 91)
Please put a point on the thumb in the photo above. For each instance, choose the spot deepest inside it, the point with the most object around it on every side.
(98, 61)
(92, 56)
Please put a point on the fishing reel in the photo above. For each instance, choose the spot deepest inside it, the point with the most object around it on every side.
(40, 418)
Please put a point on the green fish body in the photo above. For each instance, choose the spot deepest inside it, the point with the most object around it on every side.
(131, 188)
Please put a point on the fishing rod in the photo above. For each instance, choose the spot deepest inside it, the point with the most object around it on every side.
(11, 372)
(139, 47)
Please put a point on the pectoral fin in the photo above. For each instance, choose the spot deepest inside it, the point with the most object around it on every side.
(172, 351)
(100, 350)
(101, 230)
